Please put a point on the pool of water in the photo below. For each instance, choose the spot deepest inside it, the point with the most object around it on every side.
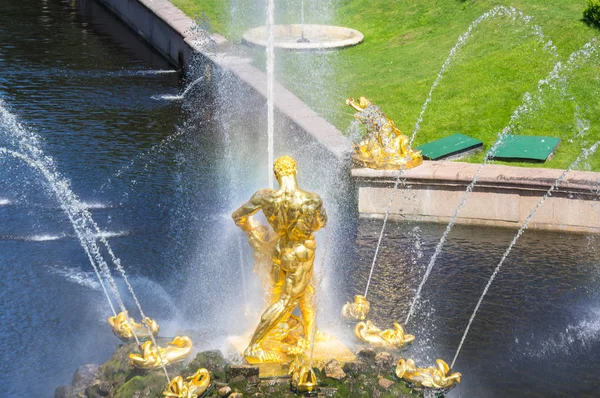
(537, 333)
(161, 178)
(83, 83)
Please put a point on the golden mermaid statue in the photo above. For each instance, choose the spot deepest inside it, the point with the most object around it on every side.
(357, 310)
(194, 387)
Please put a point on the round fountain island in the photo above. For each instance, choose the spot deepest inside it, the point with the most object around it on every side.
(305, 37)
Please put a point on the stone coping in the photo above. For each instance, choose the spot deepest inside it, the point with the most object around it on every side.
(460, 173)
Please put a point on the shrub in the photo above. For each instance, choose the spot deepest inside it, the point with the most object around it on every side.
(591, 14)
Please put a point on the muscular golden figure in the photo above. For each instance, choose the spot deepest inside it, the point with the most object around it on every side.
(294, 215)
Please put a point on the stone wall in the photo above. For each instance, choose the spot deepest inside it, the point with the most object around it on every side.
(503, 196)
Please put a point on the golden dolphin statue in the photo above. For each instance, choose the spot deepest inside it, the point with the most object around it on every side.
(304, 379)
(122, 329)
(431, 377)
(358, 310)
(193, 388)
(383, 146)
(393, 339)
(152, 357)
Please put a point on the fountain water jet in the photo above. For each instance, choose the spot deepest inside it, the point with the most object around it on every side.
(585, 154)
(528, 105)
(498, 11)
(85, 227)
(270, 48)
(181, 96)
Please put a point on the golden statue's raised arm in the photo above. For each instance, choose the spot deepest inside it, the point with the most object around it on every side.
(241, 216)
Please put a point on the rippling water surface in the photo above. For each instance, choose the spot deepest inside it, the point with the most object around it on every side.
(84, 84)
(159, 178)
(537, 333)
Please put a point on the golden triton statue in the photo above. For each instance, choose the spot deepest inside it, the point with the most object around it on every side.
(392, 339)
(358, 310)
(293, 214)
(152, 358)
(431, 377)
(193, 388)
(122, 329)
(383, 146)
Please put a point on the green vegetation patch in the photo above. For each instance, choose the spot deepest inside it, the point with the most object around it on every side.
(532, 71)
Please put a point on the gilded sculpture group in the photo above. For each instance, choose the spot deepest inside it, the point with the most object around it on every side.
(284, 253)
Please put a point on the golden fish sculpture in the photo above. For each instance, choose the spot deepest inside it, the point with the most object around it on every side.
(193, 388)
(383, 146)
(390, 338)
(304, 379)
(358, 310)
(152, 357)
(432, 377)
(122, 329)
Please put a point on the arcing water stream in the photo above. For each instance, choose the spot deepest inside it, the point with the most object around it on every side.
(81, 219)
(497, 12)
(585, 154)
(559, 74)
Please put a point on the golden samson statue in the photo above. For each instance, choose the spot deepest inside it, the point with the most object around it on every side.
(383, 146)
(284, 253)
(294, 215)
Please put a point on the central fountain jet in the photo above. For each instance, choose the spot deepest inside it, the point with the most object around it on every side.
(294, 215)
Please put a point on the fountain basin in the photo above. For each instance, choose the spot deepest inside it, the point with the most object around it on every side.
(317, 37)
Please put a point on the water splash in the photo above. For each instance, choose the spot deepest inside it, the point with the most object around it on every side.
(76, 276)
(97, 205)
(143, 72)
(180, 97)
(583, 334)
(556, 80)
(584, 155)
(4, 202)
(44, 238)
(513, 15)
(242, 268)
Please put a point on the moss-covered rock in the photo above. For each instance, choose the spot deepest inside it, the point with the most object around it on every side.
(369, 376)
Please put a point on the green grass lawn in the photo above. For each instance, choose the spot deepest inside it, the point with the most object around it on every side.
(406, 44)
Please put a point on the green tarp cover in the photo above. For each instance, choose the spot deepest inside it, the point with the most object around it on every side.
(448, 146)
(526, 147)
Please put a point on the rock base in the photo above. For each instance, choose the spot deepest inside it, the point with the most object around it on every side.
(370, 375)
